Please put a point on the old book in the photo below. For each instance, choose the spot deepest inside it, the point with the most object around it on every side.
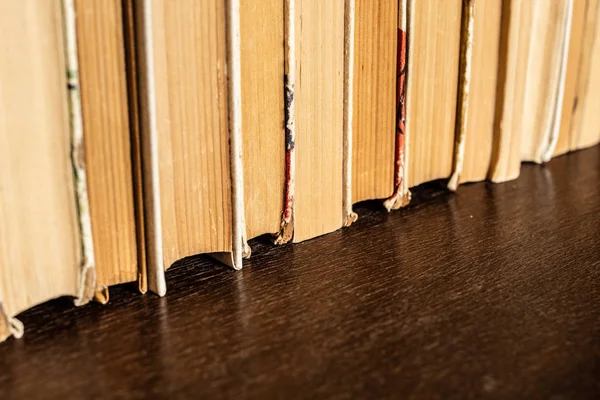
(572, 75)
(531, 82)
(434, 30)
(263, 138)
(586, 118)
(515, 45)
(370, 99)
(481, 98)
(46, 246)
(190, 129)
(104, 98)
(544, 81)
(316, 59)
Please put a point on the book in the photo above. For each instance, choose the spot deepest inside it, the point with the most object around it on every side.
(317, 57)
(46, 245)
(434, 30)
(549, 30)
(106, 126)
(478, 132)
(371, 98)
(510, 95)
(263, 136)
(190, 129)
(532, 79)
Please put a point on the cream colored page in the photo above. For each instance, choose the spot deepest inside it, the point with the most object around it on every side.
(433, 89)
(514, 51)
(262, 114)
(374, 98)
(572, 74)
(107, 139)
(193, 138)
(39, 242)
(319, 117)
(482, 96)
(536, 80)
(543, 73)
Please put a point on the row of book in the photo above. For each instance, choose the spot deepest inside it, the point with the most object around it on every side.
(134, 133)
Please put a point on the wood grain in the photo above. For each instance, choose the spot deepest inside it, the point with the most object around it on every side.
(319, 116)
(107, 139)
(374, 121)
(191, 92)
(432, 92)
(263, 146)
(487, 293)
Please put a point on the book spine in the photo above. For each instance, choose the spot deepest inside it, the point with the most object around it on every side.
(87, 285)
(149, 142)
(401, 195)
(240, 247)
(464, 83)
(348, 216)
(286, 231)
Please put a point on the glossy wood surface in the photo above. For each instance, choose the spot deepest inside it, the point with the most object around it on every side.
(492, 292)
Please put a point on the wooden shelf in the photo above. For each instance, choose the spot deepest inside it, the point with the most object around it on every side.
(492, 291)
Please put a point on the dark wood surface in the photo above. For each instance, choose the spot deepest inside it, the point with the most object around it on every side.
(492, 292)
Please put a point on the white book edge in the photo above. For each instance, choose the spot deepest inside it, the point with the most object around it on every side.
(239, 247)
(348, 216)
